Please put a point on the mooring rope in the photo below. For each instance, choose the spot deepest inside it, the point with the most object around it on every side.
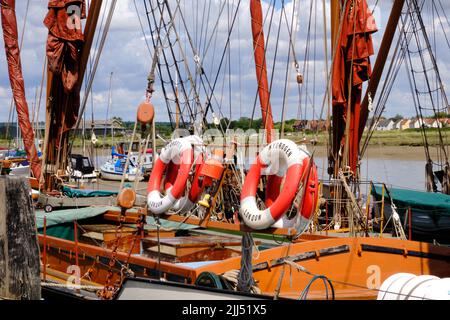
(245, 278)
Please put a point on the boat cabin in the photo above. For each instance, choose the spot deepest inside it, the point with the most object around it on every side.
(81, 163)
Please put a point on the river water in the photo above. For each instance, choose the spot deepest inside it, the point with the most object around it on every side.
(404, 170)
(402, 173)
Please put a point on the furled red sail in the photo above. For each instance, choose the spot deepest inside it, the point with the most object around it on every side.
(10, 35)
(350, 69)
(64, 43)
(261, 69)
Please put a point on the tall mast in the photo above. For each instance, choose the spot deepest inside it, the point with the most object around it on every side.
(337, 122)
(10, 35)
(261, 68)
(63, 89)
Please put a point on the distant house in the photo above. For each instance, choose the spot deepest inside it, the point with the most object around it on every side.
(316, 125)
(385, 125)
(299, 125)
(396, 125)
(404, 124)
(431, 123)
(102, 127)
(415, 123)
(444, 123)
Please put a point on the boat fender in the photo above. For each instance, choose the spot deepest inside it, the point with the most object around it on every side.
(407, 286)
(281, 158)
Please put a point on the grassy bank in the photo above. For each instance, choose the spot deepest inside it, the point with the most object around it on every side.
(410, 137)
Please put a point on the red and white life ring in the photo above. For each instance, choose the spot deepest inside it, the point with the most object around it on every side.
(177, 156)
(188, 200)
(281, 158)
(310, 196)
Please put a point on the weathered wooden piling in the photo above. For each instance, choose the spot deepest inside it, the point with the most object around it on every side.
(19, 248)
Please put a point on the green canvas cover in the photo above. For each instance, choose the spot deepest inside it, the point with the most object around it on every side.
(85, 193)
(60, 222)
(404, 198)
(59, 217)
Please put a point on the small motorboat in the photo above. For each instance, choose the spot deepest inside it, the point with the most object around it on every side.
(20, 169)
(145, 160)
(81, 168)
(113, 169)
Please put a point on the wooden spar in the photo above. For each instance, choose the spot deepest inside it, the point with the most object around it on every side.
(54, 160)
(19, 248)
(380, 61)
(89, 32)
(261, 68)
(335, 18)
(335, 7)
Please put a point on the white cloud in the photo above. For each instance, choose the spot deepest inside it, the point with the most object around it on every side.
(126, 55)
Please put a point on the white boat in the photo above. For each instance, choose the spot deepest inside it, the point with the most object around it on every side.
(113, 169)
(146, 160)
(81, 169)
(20, 170)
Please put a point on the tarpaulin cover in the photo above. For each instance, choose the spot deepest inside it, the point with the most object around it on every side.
(59, 217)
(404, 198)
(85, 193)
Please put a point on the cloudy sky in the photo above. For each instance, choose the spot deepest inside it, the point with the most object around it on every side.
(128, 57)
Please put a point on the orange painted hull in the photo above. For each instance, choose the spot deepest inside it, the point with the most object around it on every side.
(355, 266)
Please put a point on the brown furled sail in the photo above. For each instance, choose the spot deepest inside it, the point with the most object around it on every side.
(67, 61)
(350, 69)
(261, 69)
(10, 35)
(65, 39)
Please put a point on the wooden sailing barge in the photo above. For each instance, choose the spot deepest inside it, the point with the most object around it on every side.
(350, 267)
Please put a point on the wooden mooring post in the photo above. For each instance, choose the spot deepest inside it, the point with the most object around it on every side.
(19, 248)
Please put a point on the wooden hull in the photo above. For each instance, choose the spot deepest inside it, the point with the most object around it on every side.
(355, 266)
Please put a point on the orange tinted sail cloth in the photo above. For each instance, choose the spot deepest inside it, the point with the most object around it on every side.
(10, 35)
(260, 64)
(350, 69)
(64, 43)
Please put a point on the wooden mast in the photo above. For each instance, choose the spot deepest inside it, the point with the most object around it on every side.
(335, 22)
(55, 146)
(261, 68)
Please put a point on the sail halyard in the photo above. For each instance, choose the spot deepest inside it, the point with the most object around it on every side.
(10, 35)
(261, 67)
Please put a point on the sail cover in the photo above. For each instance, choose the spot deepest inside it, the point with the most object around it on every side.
(10, 35)
(350, 69)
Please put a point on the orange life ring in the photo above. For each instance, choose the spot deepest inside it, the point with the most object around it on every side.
(281, 158)
(309, 178)
(180, 153)
(311, 194)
